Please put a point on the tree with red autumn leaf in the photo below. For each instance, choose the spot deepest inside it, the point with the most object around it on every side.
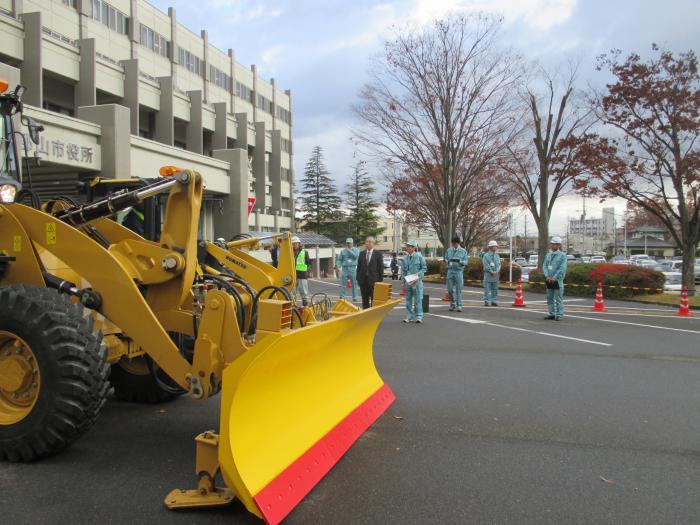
(436, 115)
(540, 163)
(647, 149)
(481, 213)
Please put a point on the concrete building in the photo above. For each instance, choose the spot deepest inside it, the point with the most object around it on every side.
(395, 231)
(122, 89)
(591, 235)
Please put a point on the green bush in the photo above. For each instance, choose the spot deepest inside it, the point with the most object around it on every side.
(475, 270)
(582, 280)
(436, 266)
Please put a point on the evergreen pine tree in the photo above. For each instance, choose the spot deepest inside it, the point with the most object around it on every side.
(319, 197)
(362, 207)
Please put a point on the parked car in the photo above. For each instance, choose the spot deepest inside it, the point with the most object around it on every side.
(533, 259)
(670, 265)
(597, 259)
(619, 259)
(572, 259)
(673, 282)
(585, 258)
(638, 258)
(519, 260)
(651, 265)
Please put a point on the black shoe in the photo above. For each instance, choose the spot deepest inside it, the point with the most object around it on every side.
(494, 304)
(304, 302)
(550, 318)
(486, 303)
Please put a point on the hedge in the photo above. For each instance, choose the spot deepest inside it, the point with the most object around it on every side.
(474, 270)
(611, 275)
(436, 266)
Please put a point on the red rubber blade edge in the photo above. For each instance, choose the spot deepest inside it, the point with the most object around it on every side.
(283, 493)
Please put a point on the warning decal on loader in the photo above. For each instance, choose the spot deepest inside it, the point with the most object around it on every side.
(17, 243)
(50, 233)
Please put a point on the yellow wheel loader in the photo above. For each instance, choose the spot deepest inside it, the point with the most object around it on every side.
(80, 294)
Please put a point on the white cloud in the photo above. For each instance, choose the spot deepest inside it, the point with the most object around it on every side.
(270, 57)
(538, 14)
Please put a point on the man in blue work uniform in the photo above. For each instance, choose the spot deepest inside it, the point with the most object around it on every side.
(346, 264)
(492, 272)
(554, 268)
(413, 269)
(456, 258)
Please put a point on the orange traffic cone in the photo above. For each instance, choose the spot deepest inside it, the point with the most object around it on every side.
(519, 300)
(403, 289)
(447, 297)
(599, 303)
(683, 310)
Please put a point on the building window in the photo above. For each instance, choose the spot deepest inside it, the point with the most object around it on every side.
(190, 62)
(287, 145)
(284, 115)
(109, 16)
(153, 41)
(71, 3)
(244, 92)
(265, 104)
(219, 78)
(286, 174)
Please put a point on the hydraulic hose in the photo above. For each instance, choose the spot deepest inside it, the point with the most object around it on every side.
(240, 307)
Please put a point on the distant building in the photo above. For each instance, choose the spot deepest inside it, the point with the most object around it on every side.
(589, 235)
(654, 241)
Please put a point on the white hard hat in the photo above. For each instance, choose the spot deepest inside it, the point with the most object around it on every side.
(492, 243)
(556, 240)
(296, 239)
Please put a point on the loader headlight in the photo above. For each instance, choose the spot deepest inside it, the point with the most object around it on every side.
(8, 189)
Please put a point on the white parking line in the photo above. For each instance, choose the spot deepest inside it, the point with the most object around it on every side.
(697, 332)
(548, 334)
(324, 282)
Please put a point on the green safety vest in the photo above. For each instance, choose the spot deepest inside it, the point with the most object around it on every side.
(301, 261)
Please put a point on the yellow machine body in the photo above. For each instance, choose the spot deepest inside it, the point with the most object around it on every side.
(294, 398)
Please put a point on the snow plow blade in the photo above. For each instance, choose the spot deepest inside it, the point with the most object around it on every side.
(294, 404)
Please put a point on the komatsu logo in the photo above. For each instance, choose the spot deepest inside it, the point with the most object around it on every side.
(237, 263)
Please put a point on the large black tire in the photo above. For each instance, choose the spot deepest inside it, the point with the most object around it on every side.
(72, 368)
(133, 382)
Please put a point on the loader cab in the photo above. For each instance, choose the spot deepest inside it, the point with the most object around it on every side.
(145, 221)
(11, 176)
(9, 158)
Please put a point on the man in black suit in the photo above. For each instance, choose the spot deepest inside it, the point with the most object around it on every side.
(370, 270)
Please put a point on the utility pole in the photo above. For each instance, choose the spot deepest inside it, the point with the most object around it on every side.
(583, 227)
(525, 251)
(510, 261)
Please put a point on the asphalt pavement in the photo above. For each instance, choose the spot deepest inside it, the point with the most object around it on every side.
(500, 417)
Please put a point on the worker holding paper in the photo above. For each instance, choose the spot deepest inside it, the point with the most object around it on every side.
(413, 269)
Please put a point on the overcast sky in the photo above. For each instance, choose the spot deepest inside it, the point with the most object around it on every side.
(320, 50)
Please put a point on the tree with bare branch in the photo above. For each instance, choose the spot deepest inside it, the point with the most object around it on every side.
(647, 151)
(437, 114)
(540, 163)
